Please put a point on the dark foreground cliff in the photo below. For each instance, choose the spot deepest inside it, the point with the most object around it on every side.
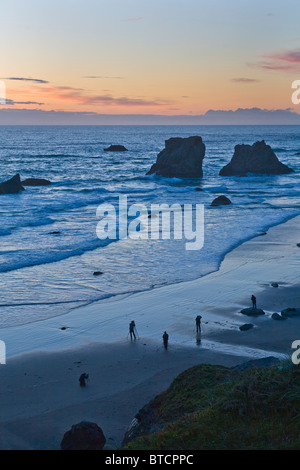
(214, 407)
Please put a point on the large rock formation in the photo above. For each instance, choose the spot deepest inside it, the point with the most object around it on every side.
(116, 148)
(12, 186)
(36, 182)
(83, 436)
(258, 158)
(221, 201)
(181, 158)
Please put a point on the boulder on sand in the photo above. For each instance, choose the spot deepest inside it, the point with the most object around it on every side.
(116, 148)
(83, 436)
(258, 158)
(221, 201)
(291, 312)
(252, 312)
(12, 186)
(181, 158)
(276, 316)
(246, 326)
(36, 182)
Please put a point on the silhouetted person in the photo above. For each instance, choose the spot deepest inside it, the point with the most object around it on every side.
(132, 329)
(198, 339)
(165, 339)
(82, 379)
(253, 298)
(198, 324)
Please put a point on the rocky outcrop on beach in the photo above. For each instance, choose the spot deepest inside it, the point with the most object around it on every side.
(116, 148)
(290, 312)
(221, 201)
(36, 182)
(278, 317)
(246, 326)
(181, 158)
(83, 436)
(252, 312)
(12, 186)
(258, 158)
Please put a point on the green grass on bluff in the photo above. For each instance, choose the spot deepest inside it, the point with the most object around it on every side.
(213, 407)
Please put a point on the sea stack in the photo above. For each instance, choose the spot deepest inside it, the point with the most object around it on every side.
(12, 186)
(116, 148)
(257, 159)
(221, 201)
(181, 158)
(36, 182)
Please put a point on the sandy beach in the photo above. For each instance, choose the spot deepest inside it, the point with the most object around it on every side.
(40, 393)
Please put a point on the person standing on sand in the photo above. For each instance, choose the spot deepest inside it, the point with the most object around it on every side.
(198, 324)
(131, 329)
(165, 340)
(253, 298)
(82, 379)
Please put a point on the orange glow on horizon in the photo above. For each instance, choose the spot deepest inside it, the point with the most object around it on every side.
(123, 100)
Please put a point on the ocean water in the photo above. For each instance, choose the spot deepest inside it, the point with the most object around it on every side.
(44, 275)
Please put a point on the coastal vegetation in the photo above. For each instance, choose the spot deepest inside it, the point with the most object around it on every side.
(214, 407)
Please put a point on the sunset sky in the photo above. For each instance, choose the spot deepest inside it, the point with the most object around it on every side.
(160, 57)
